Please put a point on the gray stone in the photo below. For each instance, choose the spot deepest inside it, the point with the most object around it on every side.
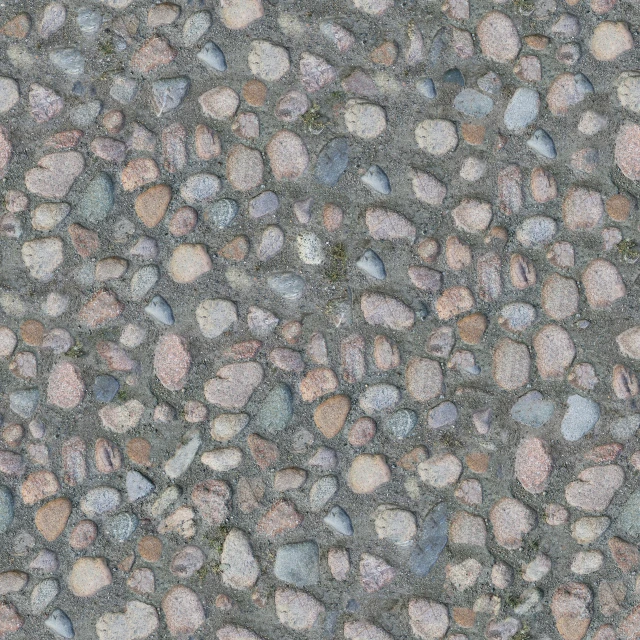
(426, 88)
(432, 538)
(332, 161)
(276, 410)
(581, 416)
(6, 508)
(222, 213)
(338, 519)
(629, 519)
(522, 109)
(536, 230)
(454, 76)
(46, 561)
(195, 27)
(298, 563)
(123, 89)
(444, 414)
(490, 83)
(58, 622)
(160, 310)
(144, 280)
(625, 428)
(182, 458)
(401, 423)
(288, 285)
(168, 94)
(97, 200)
(211, 55)
(70, 61)
(99, 501)
(43, 594)
(542, 143)
(532, 410)
(322, 490)
(138, 486)
(263, 204)
(25, 402)
(377, 179)
(89, 21)
(121, 526)
(473, 103)
(85, 114)
(371, 264)
(105, 388)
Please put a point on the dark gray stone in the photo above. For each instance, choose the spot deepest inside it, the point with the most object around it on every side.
(338, 519)
(371, 264)
(431, 540)
(6, 508)
(97, 200)
(105, 388)
(332, 161)
(298, 563)
(276, 409)
(211, 55)
(160, 310)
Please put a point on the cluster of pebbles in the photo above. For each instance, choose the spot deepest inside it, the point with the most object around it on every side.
(319, 320)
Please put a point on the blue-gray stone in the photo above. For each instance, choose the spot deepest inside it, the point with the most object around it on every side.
(25, 402)
(338, 519)
(211, 54)
(222, 213)
(83, 115)
(401, 423)
(59, 622)
(625, 428)
(69, 61)
(532, 410)
(89, 21)
(431, 540)
(437, 45)
(263, 204)
(453, 76)
(322, 490)
(287, 285)
(6, 508)
(298, 563)
(97, 200)
(160, 310)
(276, 410)
(542, 143)
(490, 82)
(426, 88)
(375, 178)
(105, 388)
(583, 83)
(195, 27)
(332, 161)
(522, 109)
(121, 526)
(629, 520)
(143, 280)
(123, 89)
(536, 230)
(444, 414)
(371, 264)
(473, 103)
(138, 486)
(581, 416)
(168, 94)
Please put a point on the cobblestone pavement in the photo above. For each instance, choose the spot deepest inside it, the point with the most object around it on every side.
(319, 319)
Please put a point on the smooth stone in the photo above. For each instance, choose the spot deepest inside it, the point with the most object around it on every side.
(401, 423)
(377, 179)
(298, 563)
(70, 61)
(338, 519)
(168, 94)
(211, 54)
(322, 491)
(24, 403)
(454, 76)
(625, 428)
(473, 103)
(426, 88)
(43, 594)
(97, 200)
(6, 508)
(123, 89)
(532, 410)
(58, 621)
(105, 388)
(144, 280)
(138, 486)
(160, 310)
(121, 526)
(195, 27)
(100, 501)
(371, 264)
(629, 519)
(431, 540)
(522, 109)
(264, 204)
(490, 83)
(536, 230)
(288, 285)
(89, 21)
(543, 143)
(332, 161)
(581, 416)
(276, 409)
(182, 458)
(222, 213)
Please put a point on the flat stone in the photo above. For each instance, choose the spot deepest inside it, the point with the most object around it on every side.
(55, 174)
(532, 410)
(332, 161)
(183, 611)
(298, 564)
(88, 576)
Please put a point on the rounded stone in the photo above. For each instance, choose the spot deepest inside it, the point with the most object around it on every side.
(367, 473)
(603, 284)
(610, 40)
(88, 576)
(498, 36)
(533, 464)
(268, 61)
(183, 611)
(437, 137)
(189, 262)
(364, 119)
(244, 168)
(287, 155)
(627, 150)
